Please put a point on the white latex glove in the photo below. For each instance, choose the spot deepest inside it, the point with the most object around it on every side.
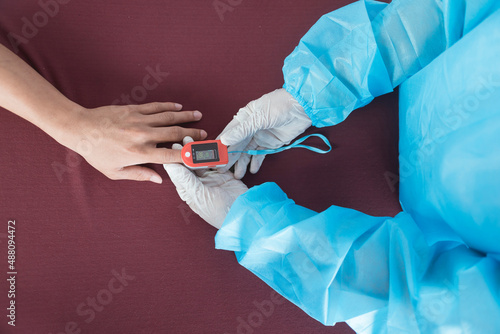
(267, 123)
(207, 192)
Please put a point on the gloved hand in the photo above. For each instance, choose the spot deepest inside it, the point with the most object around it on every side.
(207, 192)
(267, 123)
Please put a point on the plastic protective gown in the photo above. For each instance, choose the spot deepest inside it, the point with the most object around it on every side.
(435, 267)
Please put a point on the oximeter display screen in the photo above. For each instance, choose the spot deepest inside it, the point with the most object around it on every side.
(205, 155)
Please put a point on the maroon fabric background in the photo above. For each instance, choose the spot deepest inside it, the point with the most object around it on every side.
(74, 226)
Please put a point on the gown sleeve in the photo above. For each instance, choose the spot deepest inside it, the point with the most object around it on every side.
(376, 273)
(381, 274)
(367, 48)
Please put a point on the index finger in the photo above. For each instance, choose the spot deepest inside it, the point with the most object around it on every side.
(162, 155)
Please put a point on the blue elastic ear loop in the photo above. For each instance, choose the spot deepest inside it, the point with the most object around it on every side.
(293, 145)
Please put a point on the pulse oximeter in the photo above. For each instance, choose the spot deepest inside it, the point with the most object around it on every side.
(205, 154)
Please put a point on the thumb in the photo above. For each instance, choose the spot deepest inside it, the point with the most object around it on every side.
(138, 173)
(244, 130)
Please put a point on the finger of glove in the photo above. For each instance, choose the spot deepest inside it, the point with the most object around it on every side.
(240, 168)
(231, 125)
(213, 179)
(186, 183)
(233, 157)
(269, 139)
(187, 140)
(241, 165)
(257, 162)
(243, 130)
(201, 173)
(240, 117)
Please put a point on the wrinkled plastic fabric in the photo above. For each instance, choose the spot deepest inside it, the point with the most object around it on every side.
(450, 142)
(366, 49)
(377, 273)
(435, 267)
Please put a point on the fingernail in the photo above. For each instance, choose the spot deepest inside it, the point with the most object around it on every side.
(203, 134)
(156, 179)
(197, 115)
(178, 106)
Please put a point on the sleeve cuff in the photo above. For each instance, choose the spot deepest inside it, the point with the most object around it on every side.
(261, 206)
(307, 108)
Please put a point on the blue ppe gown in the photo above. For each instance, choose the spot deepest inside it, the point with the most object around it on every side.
(435, 267)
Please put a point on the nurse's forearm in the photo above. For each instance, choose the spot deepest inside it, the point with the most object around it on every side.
(27, 94)
(344, 265)
(361, 51)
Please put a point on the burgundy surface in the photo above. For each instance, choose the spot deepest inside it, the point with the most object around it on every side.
(74, 229)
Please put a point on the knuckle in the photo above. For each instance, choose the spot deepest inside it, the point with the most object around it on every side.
(169, 117)
(137, 134)
(142, 137)
(128, 109)
(194, 134)
(157, 107)
(176, 132)
(128, 116)
(134, 150)
(136, 117)
(168, 155)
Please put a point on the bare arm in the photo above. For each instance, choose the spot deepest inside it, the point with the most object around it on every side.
(113, 139)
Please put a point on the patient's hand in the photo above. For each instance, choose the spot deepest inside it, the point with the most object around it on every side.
(207, 192)
(116, 140)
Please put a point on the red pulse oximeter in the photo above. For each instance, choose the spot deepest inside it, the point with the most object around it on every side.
(205, 154)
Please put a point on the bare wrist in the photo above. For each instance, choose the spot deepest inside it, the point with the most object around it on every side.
(62, 124)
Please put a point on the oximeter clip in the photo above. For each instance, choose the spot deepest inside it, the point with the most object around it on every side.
(205, 154)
